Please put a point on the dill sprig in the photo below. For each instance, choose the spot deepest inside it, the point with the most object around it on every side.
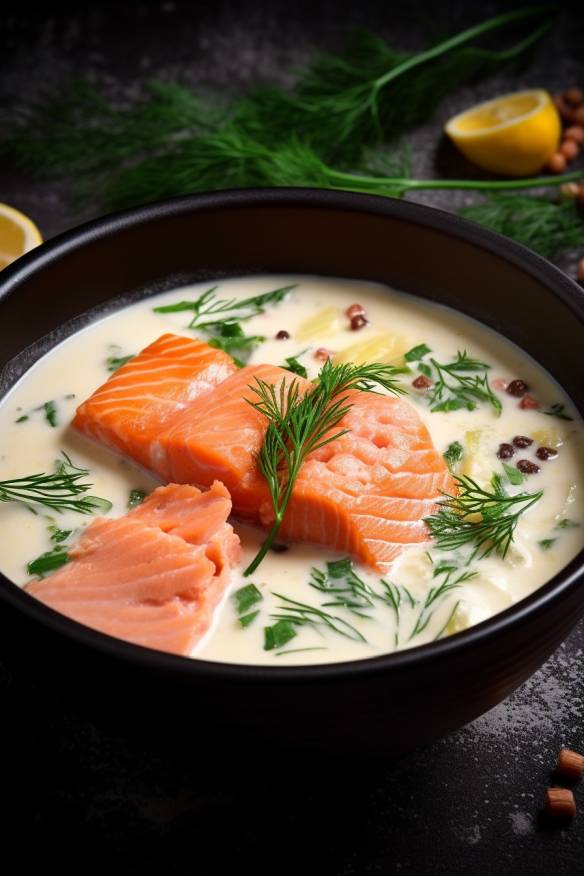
(208, 307)
(479, 518)
(455, 389)
(302, 614)
(299, 424)
(540, 223)
(449, 582)
(371, 93)
(222, 318)
(57, 490)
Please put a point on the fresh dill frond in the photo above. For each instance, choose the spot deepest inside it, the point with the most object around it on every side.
(450, 581)
(343, 587)
(58, 490)
(208, 307)
(301, 614)
(477, 517)
(454, 389)
(371, 93)
(559, 411)
(544, 225)
(80, 132)
(299, 424)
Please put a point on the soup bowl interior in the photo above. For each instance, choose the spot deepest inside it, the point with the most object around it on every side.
(396, 701)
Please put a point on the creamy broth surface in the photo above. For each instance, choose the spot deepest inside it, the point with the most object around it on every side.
(541, 548)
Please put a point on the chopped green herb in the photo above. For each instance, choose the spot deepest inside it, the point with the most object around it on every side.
(566, 523)
(115, 362)
(246, 619)
(417, 353)
(514, 476)
(22, 419)
(247, 596)
(298, 650)
(453, 453)
(454, 390)
(136, 498)
(425, 369)
(231, 337)
(278, 634)
(558, 411)
(59, 490)
(292, 364)
(546, 543)
(59, 535)
(476, 517)
(48, 562)
(50, 409)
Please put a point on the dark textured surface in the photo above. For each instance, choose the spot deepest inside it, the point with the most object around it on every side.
(469, 803)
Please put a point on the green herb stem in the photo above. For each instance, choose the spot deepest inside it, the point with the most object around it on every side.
(467, 36)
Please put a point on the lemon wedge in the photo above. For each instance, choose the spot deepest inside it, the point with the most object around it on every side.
(18, 234)
(513, 135)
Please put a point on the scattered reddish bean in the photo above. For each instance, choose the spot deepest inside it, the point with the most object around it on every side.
(322, 354)
(573, 96)
(570, 764)
(283, 335)
(578, 116)
(527, 466)
(357, 322)
(522, 441)
(569, 149)
(505, 451)
(557, 163)
(517, 388)
(560, 803)
(575, 133)
(546, 452)
(355, 310)
(528, 402)
(422, 382)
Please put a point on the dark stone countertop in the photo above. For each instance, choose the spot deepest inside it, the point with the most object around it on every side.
(470, 803)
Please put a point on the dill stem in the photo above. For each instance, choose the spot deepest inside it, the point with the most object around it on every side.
(466, 36)
(403, 184)
(269, 540)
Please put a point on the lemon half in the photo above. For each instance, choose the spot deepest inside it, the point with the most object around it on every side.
(513, 135)
(18, 234)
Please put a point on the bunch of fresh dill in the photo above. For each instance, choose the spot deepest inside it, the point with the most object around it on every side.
(327, 131)
(174, 142)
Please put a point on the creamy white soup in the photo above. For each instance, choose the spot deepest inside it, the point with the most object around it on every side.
(535, 444)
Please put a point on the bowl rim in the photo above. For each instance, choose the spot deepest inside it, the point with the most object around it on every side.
(537, 603)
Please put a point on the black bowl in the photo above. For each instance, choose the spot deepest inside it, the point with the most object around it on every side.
(392, 702)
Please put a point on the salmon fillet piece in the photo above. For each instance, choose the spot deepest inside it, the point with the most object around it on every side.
(365, 493)
(153, 577)
(218, 436)
(129, 411)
